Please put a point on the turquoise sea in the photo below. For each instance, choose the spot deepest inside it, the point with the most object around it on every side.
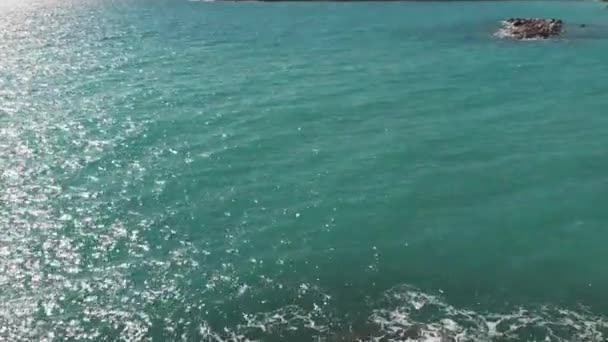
(197, 171)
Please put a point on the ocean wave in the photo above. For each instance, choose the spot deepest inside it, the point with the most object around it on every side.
(405, 313)
(413, 315)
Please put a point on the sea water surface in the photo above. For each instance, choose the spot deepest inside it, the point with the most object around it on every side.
(193, 171)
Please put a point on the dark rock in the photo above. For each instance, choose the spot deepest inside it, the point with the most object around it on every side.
(521, 28)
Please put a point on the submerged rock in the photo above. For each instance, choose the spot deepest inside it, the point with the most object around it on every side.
(527, 28)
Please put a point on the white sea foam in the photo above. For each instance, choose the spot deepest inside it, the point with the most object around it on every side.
(408, 314)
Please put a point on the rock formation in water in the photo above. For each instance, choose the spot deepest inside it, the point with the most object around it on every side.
(525, 28)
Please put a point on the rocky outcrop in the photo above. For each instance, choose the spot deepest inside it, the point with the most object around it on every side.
(523, 28)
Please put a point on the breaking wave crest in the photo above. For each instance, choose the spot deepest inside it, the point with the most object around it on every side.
(412, 315)
(405, 313)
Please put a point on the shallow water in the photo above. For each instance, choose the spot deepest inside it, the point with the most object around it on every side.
(301, 171)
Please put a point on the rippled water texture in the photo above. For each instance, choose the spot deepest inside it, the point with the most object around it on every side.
(192, 171)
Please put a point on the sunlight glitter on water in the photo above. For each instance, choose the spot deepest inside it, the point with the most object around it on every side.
(163, 176)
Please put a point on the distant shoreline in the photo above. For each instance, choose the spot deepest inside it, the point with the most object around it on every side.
(430, 1)
(598, 1)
